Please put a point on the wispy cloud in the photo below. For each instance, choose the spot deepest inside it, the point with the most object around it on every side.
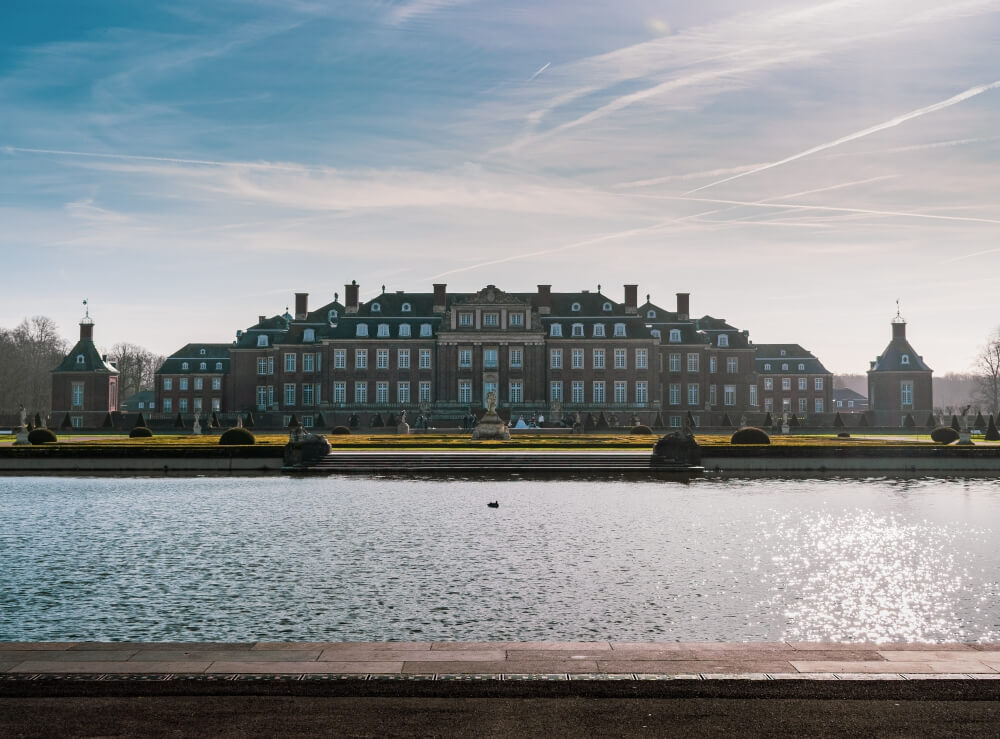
(419, 8)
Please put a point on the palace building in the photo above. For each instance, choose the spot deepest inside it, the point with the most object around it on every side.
(899, 382)
(85, 384)
(544, 353)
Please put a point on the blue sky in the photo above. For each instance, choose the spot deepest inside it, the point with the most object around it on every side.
(797, 167)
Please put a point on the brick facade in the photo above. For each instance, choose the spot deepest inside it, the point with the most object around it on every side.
(84, 385)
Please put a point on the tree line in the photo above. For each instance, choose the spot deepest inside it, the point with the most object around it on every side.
(33, 348)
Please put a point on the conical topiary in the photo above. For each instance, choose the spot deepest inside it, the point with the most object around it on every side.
(863, 422)
(67, 422)
(140, 422)
(991, 432)
(213, 421)
(293, 422)
(109, 422)
(602, 422)
(248, 421)
(838, 422)
(726, 421)
(319, 421)
(377, 421)
(954, 423)
(931, 421)
(690, 420)
(38, 421)
(909, 422)
(793, 421)
(658, 421)
(768, 421)
(980, 421)
(179, 422)
(391, 420)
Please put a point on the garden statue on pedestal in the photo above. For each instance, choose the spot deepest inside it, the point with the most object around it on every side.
(21, 432)
(402, 427)
(196, 428)
(491, 426)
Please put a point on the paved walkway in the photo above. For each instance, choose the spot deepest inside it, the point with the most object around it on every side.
(505, 660)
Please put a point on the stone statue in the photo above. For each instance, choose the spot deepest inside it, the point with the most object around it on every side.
(491, 402)
(21, 432)
(491, 426)
(196, 428)
(402, 427)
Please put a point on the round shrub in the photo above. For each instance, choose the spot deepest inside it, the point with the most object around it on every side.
(140, 432)
(340, 431)
(750, 435)
(41, 436)
(944, 435)
(844, 435)
(640, 429)
(235, 436)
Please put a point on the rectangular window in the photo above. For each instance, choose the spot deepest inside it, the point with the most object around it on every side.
(713, 364)
(516, 320)
(339, 358)
(465, 319)
(692, 362)
(516, 357)
(803, 383)
(77, 394)
(308, 394)
(642, 358)
(464, 357)
(360, 392)
(309, 362)
(768, 404)
(307, 422)
(621, 391)
(712, 395)
(693, 394)
(490, 358)
(381, 359)
(403, 358)
(803, 405)
(425, 359)
(576, 391)
(786, 383)
(491, 320)
(786, 404)
(360, 359)
(515, 391)
(402, 392)
(184, 383)
(340, 392)
(168, 405)
(674, 362)
(270, 395)
(598, 391)
(261, 397)
(381, 392)
(216, 383)
(289, 363)
(753, 395)
(199, 383)
(290, 394)
(641, 391)
(598, 359)
(197, 404)
(182, 405)
(675, 421)
(555, 358)
(732, 365)
(729, 395)
(577, 359)
(674, 393)
(906, 392)
(168, 383)
(555, 391)
(464, 391)
(769, 383)
(819, 405)
(261, 365)
(620, 362)
(425, 392)
(817, 383)
(555, 330)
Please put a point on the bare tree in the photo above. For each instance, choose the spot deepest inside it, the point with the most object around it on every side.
(28, 353)
(987, 373)
(136, 366)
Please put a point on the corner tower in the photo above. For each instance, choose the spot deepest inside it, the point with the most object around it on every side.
(899, 382)
(84, 385)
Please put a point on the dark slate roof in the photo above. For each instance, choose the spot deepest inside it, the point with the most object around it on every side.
(91, 361)
(635, 327)
(891, 359)
(794, 356)
(845, 393)
(143, 396)
(591, 304)
(391, 304)
(191, 353)
(660, 314)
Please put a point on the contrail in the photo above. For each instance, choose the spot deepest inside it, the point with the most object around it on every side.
(544, 67)
(169, 160)
(892, 122)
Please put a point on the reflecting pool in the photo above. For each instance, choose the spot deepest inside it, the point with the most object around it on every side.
(363, 559)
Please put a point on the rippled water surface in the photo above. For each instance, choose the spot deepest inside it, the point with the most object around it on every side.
(240, 559)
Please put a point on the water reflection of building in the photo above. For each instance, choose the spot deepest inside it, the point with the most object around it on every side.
(899, 382)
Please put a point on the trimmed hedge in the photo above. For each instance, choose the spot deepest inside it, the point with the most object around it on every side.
(944, 435)
(640, 429)
(41, 436)
(140, 432)
(750, 435)
(237, 436)
(340, 431)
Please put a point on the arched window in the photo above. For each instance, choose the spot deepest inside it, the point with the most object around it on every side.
(383, 329)
(361, 330)
(905, 359)
(262, 340)
(619, 329)
(723, 340)
(331, 315)
(577, 329)
(407, 308)
(651, 314)
(575, 307)
(555, 329)
(675, 336)
(203, 366)
(599, 329)
(184, 365)
(309, 335)
(608, 307)
(425, 329)
(783, 352)
(218, 366)
(80, 359)
(202, 352)
(767, 367)
(655, 333)
(801, 366)
(784, 367)
(376, 308)
(404, 329)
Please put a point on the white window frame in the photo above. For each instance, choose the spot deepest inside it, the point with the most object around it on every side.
(693, 362)
(576, 391)
(555, 358)
(642, 359)
(360, 359)
(598, 359)
(732, 365)
(621, 359)
(464, 358)
(674, 336)
(729, 395)
(290, 392)
(403, 358)
(360, 392)
(465, 391)
(340, 392)
(641, 392)
(515, 391)
(621, 391)
(598, 392)
(555, 391)
(402, 393)
(340, 359)
(674, 362)
(381, 359)
(425, 359)
(515, 356)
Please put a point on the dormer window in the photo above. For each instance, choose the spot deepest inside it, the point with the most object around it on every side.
(309, 335)
(218, 366)
(575, 307)
(767, 366)
(655, 333)
(802, 367)
(723, 340)
(331, 315)
(202, 352)
(675, 336)
(404, 329)
(406, 308)
(361, 330)
(203, 366)
(80, 359)
(383, 329)
(555, 330)
(262, 340)
(783, 352)
(184, 366)
(905, 359)
(608, 307)
(784, 367)
(425, 329)
(619, 329)
(577, 329)
(598, 329)
(376, 307)
(651, 314)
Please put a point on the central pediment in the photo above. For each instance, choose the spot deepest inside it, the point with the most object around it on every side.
(492, 295)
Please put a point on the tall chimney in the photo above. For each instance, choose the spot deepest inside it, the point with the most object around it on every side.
(301, 306)
(86, 330)
(683, 305)
(632, 299)
(440, 297)
(351, 297)
(544, 299)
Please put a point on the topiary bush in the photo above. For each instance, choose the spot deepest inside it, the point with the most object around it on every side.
(341, 431)
(237, 436)
(992, 434)
(66, 422)
(844, 435)
(140, 432)
(640, 429)
(944, 435)
(954, 423)
(41, 436)
(909, 422)
(838, 422)
(750, 435)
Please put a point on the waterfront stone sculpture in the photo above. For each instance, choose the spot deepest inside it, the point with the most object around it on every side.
(196, 428)
(21, 432)
(403, 427)
(491, 426)
(304, 448)
(677, 449)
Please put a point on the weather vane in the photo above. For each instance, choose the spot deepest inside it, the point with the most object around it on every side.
(86, 307)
